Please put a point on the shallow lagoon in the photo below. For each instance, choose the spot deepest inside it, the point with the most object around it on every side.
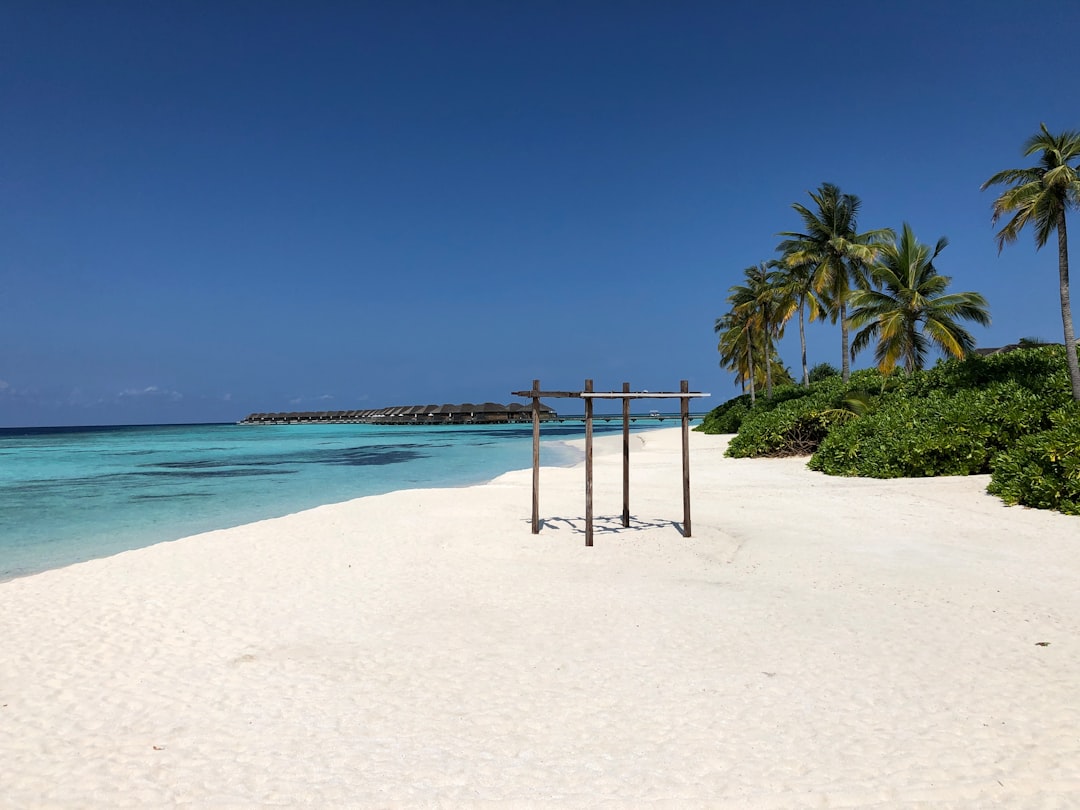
(72, 494)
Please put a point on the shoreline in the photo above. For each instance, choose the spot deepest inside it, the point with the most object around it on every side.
(818, 641)
(81, 523)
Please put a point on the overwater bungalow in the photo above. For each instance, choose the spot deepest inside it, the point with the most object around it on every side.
(468, 413)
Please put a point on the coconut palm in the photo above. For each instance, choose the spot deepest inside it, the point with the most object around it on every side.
(1041, 195)
(738, 349)
(736, 353)
(908, 310)
(831, 244)
(762, 300)
(797, 283)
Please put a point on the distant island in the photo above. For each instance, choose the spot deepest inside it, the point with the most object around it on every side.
(487, 413)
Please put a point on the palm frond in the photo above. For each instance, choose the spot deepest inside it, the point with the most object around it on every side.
(1011, 176)
(911, 312)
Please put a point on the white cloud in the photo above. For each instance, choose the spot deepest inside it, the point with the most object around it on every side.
(8, 391)
(301, 400)
(151, 391)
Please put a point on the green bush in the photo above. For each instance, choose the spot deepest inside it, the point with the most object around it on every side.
(1042, 371)
(796, 428)
(1011, 415)
(1042, 470)
(952, 419)
(795, 422)
(788, 430)
(726, 417)
(728, 420)
(943, 433)
(823, 371)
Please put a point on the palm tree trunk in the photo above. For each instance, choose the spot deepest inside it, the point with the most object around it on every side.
(802, 341)
(768, 361)
(911, 362)
(1066, 307)
(750, 364)
(845, 363)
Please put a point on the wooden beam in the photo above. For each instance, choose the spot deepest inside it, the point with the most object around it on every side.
(638, 394)
(537, 393)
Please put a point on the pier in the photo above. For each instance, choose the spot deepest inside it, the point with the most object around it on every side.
(487, 413)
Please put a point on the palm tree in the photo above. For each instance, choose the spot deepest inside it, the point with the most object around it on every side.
(798, 286)
(911, 310)
(736, 352)
(738, 346)
(1041, 195)
(762, 301)
(832, 245)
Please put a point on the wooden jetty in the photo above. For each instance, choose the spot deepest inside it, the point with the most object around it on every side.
(487, 413)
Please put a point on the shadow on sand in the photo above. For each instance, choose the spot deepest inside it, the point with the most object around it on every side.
(607, 524)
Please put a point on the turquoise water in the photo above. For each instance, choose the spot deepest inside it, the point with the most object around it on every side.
(73, 494)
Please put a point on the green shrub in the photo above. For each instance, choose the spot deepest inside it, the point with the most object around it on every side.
(791, 429)
(942, 433)
(1011, 415)
(823, 371)
(728, 417)
(1041, 370)
(731, 419)
(796, 421)
(1042, 470)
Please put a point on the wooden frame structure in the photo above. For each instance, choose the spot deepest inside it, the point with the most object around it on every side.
(684, 395)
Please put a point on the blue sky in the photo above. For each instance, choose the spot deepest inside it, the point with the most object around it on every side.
(208, 209)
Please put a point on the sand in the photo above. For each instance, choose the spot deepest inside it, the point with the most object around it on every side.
(818, 642)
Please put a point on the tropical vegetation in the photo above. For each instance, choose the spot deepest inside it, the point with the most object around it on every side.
(1010, 415)
(907, 309)
(1014, 415)
(834, 252)
(797, 287)
(1040, 196)
(760, 307)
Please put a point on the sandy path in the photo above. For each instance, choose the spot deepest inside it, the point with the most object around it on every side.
(819, 642)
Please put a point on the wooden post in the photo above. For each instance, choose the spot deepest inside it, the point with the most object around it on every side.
(589, 395)
(684, 387)
(588, 465)
(536, 459)
(626, 456)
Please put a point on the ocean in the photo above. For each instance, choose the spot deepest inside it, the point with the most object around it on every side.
(74, 494)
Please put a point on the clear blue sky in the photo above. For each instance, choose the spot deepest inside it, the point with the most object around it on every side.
(213, 208)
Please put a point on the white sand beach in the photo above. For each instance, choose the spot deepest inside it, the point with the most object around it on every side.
(818, 642)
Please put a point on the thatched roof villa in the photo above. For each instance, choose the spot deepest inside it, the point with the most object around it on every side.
(468, 413)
